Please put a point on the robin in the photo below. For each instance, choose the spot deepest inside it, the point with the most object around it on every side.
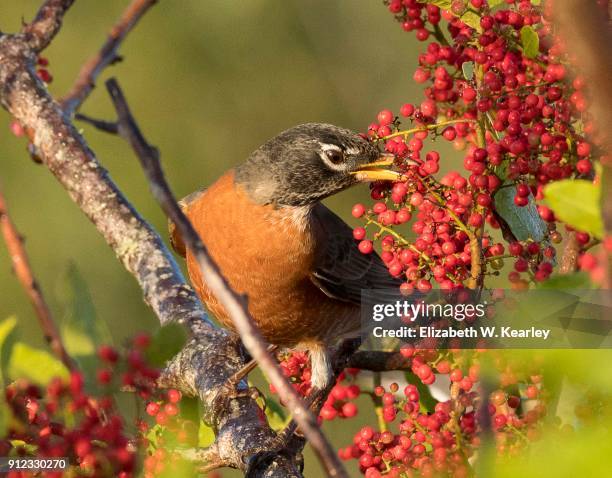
(296, 261)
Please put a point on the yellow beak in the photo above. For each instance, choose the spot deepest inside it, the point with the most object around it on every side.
(370, 171)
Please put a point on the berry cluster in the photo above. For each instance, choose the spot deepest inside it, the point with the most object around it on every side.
(167, 435)
(296, 367)
(65, 420)
(440, 441)
(81, 421)
(496, 86)
(340, 401)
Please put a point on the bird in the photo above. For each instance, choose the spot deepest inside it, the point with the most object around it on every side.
(273, 240)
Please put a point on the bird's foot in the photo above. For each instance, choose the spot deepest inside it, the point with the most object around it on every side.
(231, 388)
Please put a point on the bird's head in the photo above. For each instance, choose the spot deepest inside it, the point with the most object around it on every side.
(310, 162)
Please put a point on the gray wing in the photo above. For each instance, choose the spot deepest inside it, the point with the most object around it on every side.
(341, 271)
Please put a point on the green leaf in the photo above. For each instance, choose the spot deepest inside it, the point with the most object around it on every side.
(36, 365)
(577, 203)
(495, 3)
(82, 331)
(425, 398)
(467, 67)
(530, 42)
(524, 222)
(206, 435)
(7, 341)
(469, 17)
(277, 418)
(166, 343)
(576, 281)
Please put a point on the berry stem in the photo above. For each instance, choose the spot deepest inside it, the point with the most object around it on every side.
(401, 239)
(378, 406)
(426, 128)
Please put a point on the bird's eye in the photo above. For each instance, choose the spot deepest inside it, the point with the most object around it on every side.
(335, 156)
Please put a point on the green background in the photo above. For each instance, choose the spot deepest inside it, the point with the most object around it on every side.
(209, 81)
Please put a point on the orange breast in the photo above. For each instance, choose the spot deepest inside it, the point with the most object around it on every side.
(267, 254)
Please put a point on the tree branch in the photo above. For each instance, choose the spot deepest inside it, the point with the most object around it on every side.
(213, 355)
(107, 55)
(23, 271)
(569, 257)
(46, 24)
(231, 301)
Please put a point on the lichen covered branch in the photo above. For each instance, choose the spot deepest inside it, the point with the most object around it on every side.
(212, 355)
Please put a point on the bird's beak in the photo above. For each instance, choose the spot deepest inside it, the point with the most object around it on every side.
(372, 172)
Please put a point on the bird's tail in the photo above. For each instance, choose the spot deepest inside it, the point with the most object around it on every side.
(320, 365)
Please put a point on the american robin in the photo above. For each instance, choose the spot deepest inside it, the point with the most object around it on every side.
(273, 240)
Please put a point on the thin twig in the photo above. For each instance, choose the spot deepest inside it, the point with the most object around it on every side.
(23, 271)
(109, 127)
(569, 257)
(107, 55)
(233, 303)
(211, 355)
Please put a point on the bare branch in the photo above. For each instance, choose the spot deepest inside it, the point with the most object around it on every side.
(109, 127)
(231, 301)
(213, 355)
(46, 24)
(107, 55)
(23, 271)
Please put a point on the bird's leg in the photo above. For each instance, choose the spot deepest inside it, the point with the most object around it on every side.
(230, 388)
(235, 379)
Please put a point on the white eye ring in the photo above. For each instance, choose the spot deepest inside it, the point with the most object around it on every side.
(333, 156)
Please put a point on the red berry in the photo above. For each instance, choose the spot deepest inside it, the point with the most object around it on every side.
(142, 340)
(174, 396)
(358, 210)
(44, 75)
(328, 412)
(171, 409)
(359, 233)
(17, 129)
(522, 190)
(152, 408)
(456, 375)
(108, 353)
(349, 410)
(366, 247)
(407, 110)
(385, 117)
(104, 376)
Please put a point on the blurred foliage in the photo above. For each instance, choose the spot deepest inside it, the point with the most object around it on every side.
(583, 214)
(209, 82)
